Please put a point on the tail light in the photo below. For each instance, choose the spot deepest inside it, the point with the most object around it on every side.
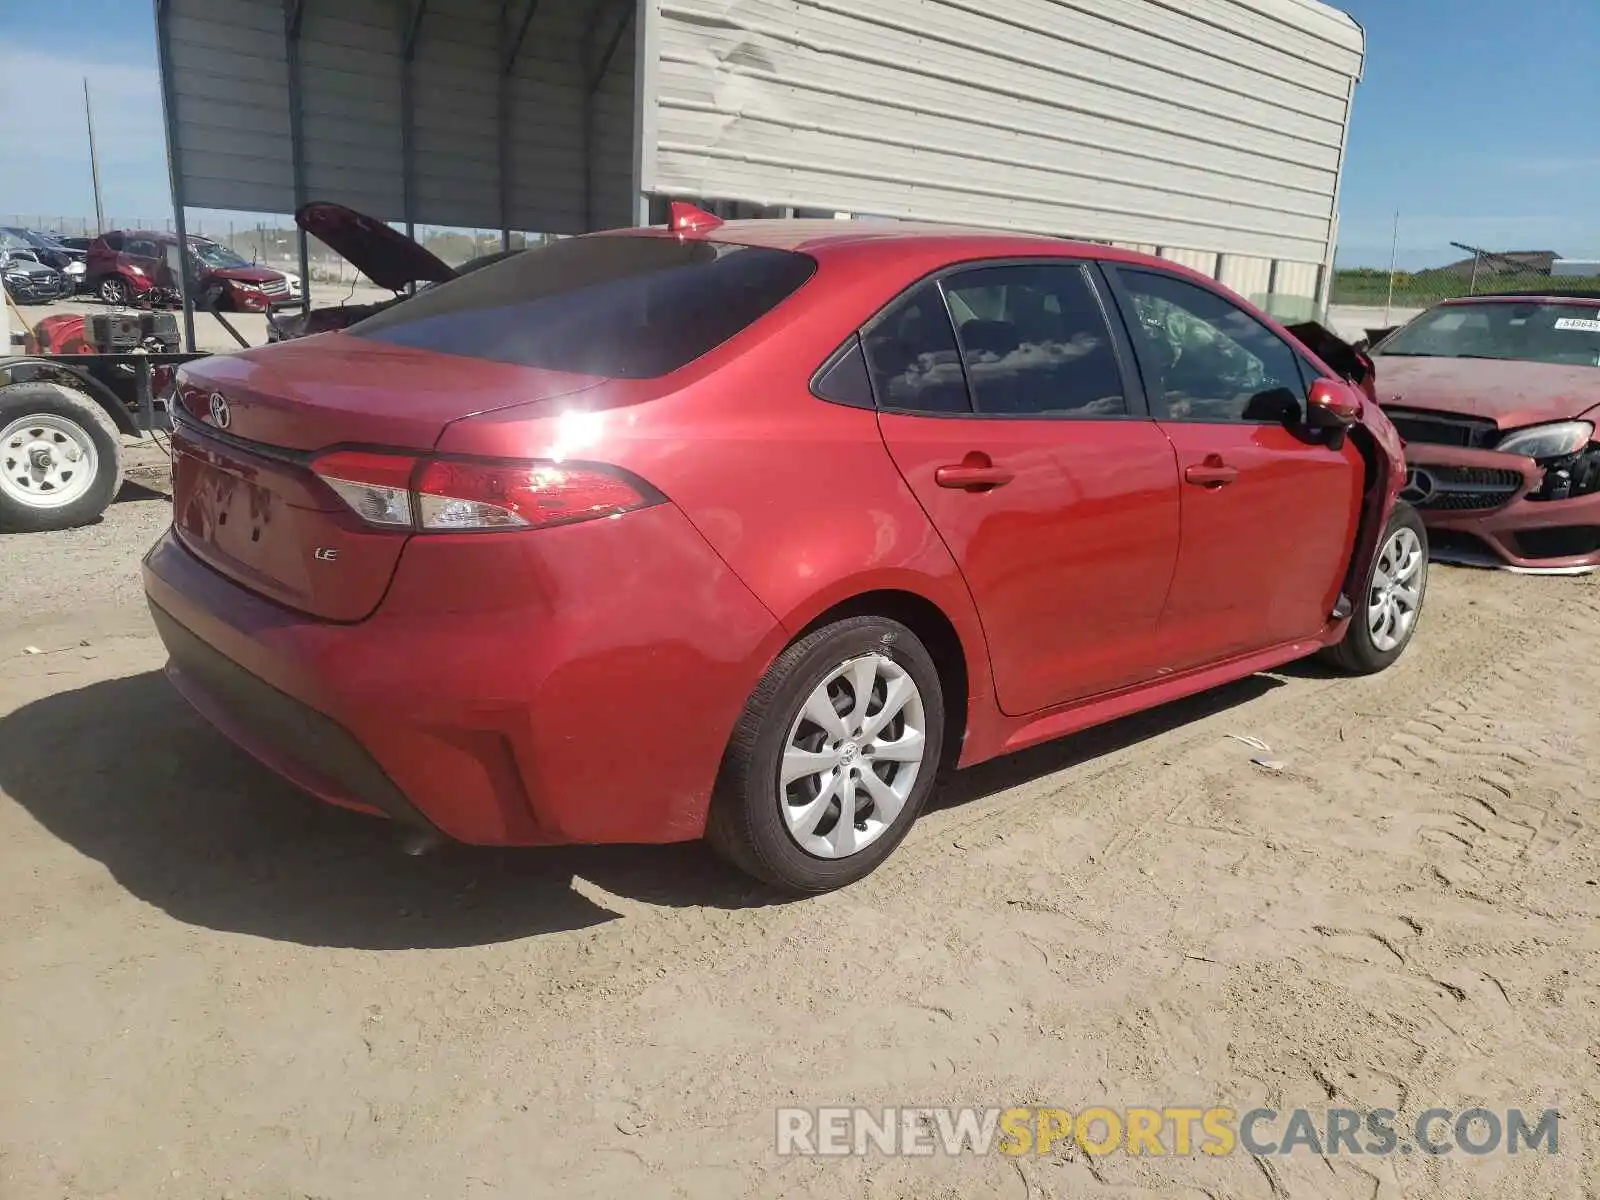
(398, 491)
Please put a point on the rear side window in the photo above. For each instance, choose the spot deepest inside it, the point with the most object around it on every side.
(630, 307)
(1035, 341)
(913, 359)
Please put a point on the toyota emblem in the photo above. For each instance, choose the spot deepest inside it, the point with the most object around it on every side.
(1420, 487)
(221, 415)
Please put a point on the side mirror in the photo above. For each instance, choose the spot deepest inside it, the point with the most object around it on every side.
(1332, 405)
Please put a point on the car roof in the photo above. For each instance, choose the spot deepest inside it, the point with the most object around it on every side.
(1533, 297)
(812, 236)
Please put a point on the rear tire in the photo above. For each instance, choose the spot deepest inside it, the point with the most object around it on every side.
(1389, 607)
(871, 760)
(60, 458)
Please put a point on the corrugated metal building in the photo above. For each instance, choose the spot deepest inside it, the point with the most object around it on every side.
(1210, 131)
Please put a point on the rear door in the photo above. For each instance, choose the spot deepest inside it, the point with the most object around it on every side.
(1005, 402)
(1269, 510)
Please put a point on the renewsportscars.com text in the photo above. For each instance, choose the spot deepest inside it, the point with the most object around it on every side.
(1161, 1131)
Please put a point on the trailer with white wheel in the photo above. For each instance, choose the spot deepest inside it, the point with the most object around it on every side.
(62, 420)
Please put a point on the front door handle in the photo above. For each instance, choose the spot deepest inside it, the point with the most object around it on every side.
(973, 476)
(1211, 474)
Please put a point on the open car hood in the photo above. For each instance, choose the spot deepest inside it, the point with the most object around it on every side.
(1351, 362)
(384, 255)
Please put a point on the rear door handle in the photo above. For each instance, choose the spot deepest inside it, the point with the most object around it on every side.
(973, 478)
(1211, 474)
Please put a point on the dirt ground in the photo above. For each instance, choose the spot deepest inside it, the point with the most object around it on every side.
(214, 987)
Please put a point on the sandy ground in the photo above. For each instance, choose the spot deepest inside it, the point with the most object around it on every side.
(213, 986)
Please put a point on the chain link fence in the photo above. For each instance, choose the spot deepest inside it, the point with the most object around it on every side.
(1388, 296)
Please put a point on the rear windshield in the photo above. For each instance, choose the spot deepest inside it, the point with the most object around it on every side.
(626, 307)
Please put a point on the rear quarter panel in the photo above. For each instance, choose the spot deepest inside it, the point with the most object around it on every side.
(796, 494)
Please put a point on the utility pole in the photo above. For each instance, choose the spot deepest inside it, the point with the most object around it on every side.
(94, 162)
(1394, 254)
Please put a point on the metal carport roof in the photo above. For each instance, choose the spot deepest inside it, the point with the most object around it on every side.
(1212, 132)
(508, 114)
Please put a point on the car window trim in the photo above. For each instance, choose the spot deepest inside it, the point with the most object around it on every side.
(1132, 385)
(1149, 370)
(850, 345)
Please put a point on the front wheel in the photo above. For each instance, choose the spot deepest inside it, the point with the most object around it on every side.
(833, 758)
(1386, 614)
(60, 458)
(114, 290)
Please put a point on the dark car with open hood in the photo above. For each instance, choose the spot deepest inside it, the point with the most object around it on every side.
(47, 249)
(1498, 398)
(384, 255)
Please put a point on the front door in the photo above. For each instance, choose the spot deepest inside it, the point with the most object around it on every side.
(1005, 404)
(1269, 509)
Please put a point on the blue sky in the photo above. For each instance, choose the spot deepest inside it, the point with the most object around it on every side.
(1478, 120)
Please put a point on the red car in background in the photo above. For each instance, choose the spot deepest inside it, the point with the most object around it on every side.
(1497, 398)
(124, 264)
(749, 530)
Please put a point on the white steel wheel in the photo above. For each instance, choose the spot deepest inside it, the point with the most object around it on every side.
(852, 757)
(60, 458)
(46, 461)
(1395, 595)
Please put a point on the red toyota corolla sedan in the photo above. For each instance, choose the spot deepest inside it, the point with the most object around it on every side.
(749, 530)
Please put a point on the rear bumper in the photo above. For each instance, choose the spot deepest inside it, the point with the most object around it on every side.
(299, 743)
(472, 702)
(1518, 531)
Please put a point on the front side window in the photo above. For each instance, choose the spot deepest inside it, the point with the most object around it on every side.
(142, 249)
(1034, 341)
(628, 307)
(1531, 331)
(1212, 361)
(912, 356)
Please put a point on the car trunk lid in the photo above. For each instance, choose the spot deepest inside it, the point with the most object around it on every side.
(246, 497)
(334, 389)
